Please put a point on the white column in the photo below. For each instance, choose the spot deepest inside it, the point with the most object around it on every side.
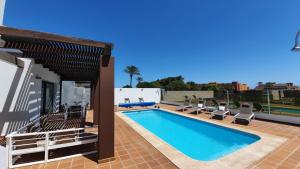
(2, 7)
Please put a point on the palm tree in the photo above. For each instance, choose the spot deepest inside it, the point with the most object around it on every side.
(132, 70)
(139, 79)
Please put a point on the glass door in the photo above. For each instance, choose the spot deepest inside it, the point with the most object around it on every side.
(47, 97)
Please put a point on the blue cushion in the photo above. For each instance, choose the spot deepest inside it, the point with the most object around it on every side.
(136, 104)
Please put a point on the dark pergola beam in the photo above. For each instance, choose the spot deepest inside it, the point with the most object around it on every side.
(67, 56)
(70, 68)
(73, 78)
(104, 107)
(106, 56)
(50, 37)
(31, 48)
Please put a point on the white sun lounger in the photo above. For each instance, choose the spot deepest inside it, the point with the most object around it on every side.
(187, 104)
(199, 107)
(222, 111)
(245, 113)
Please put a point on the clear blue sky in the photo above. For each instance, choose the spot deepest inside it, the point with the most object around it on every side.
(202, 40)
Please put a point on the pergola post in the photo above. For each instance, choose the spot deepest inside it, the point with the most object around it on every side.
(92, 95)
(106, 109)
(60, 92)
(96, 102)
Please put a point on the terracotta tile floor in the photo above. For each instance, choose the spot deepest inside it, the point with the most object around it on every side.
(132, 151)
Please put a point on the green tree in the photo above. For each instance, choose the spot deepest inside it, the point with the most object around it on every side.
(192, 86)
(210, 87)
(131, 70)
(139, 79)
(148, 85)
(166, 81)
(257, 106)
(176, 85)
(297, 101)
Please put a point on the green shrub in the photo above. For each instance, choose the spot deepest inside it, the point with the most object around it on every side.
(236, 103)
(148, 85)
(176, 85)
(297, 101)
(127, 86)
(257, 106)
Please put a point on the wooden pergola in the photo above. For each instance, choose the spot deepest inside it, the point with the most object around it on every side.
(77, 60)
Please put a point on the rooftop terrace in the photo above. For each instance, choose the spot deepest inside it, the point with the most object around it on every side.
(133, 151)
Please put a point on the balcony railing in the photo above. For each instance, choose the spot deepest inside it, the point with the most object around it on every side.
(27, 143)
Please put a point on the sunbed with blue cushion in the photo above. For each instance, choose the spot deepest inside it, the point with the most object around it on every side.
(142, 103)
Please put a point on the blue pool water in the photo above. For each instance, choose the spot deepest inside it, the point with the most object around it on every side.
(197, 139)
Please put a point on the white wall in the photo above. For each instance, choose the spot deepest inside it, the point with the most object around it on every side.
(2, 7)
(6, 70)
(71, 93)
(149, 94)
(20, 96)
(3, 158)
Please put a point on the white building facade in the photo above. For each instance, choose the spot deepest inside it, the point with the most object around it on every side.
(2, 8)
(21, 93)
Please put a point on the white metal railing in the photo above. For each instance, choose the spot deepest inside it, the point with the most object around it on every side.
(23, 129)
(26, 143)
(65, 114)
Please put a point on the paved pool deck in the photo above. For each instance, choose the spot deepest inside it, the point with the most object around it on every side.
(241, 158)
(134, 151)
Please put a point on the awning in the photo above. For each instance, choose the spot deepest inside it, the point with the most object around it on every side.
(71, 58)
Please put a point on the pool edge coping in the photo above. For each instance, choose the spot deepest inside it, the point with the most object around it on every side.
(241, 158)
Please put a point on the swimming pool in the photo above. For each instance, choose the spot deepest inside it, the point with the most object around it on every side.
(197, 139)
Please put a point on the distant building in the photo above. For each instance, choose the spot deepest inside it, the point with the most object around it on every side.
(277, 90)
(260, 86)
(276, 86)
(235, 86)
(239, 86)
(213, 83)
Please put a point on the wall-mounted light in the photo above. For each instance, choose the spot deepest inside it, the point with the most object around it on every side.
(296, 48)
